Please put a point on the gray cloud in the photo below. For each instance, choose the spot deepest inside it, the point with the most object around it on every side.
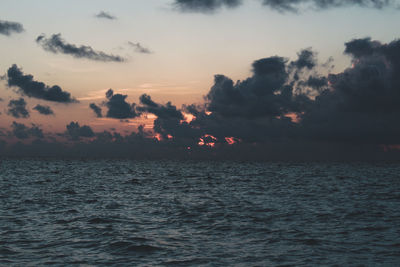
(44, 110)
(105, 15)
(55, 44)
(17, 108)
(118, 108)
(21, 131)
(295, 5)
(96, 109)
(209, 6)
(8, 27)
(31, 88)
(205, 5)
(139, 48)
(75, 131)
(284, 110)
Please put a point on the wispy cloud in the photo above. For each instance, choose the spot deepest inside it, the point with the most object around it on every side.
(139, 48)
(56, 44)
(105, 15)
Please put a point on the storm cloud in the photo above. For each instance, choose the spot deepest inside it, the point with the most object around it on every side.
(56, 44)
(28, 86)
(44, 110)
(17, 108)
(8, 27)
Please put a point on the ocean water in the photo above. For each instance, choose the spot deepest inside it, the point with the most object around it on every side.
(170, 213)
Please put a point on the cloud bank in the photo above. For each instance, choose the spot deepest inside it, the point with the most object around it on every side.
(286, 109)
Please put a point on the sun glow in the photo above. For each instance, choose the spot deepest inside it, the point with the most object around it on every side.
(207, 140)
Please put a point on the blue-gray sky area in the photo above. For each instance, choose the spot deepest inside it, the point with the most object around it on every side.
(182, 75)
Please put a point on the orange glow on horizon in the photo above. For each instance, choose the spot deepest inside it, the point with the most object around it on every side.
(158, 137)
(188, 118)
(232, 140)
(203, 141)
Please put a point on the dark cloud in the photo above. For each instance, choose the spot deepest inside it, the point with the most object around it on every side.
(118, 108)
(31, 88)
(75, 131)
(208, 6)
(205, 5)
(105, 15)
(21, 131)
(139, 48)
(44, 110)
(295, 5)
(96, 109)
(8, 27)
(56, 44)
(17, 108)
(161, 111)
(361, 103)
(268, 92)
(284, 110)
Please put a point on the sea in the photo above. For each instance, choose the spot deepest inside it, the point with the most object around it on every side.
(198, 213)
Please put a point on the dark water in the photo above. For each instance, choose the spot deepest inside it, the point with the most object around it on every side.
(208, 214)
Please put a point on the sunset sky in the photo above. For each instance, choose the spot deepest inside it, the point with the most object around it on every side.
(171, 50)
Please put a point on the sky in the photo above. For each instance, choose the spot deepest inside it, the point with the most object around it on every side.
(264, 78)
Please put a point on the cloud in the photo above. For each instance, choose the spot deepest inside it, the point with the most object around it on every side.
(55, 44)
(267, 93)
(209, 6)
(96, 109)
(105, 15)
(17, 108)
(139, 48)
(118, 108)
(205, 6)
(286, 109)
(21, 131)
(31, 88)
(295, 5)
(75, 131)
(8, 27)
(44, 110)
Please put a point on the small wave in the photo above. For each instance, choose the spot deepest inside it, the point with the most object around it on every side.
(124, 247)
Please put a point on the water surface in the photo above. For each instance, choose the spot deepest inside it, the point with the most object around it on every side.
(169, 213)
